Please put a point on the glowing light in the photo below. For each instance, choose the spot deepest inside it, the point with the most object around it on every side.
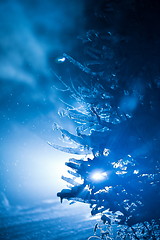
(99, 176)
(106, 152)
(61, 59)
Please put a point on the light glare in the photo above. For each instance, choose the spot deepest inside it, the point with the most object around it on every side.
(61, 59)
(99, 176)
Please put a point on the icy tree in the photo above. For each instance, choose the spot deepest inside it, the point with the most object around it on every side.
(116, 114)
(120, 172)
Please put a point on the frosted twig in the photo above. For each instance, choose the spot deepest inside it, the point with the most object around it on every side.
(79, 65)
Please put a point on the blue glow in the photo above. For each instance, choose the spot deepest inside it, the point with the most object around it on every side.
(99, 176)
(61, 59)
(32, 35)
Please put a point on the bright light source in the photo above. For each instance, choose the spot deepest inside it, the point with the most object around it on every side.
(61, 59)
(136, 172)
(99, 176)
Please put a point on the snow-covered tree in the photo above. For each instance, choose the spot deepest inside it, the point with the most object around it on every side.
(116, 114)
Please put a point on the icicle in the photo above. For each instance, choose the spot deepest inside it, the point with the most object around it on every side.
(70, 181)
(78, 151)
(74, 173)
(72, 137)
(80, 66)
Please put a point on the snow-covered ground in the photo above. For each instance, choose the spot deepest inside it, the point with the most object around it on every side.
(46, 221)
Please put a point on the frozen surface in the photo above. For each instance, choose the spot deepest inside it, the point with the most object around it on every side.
(47, 221)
